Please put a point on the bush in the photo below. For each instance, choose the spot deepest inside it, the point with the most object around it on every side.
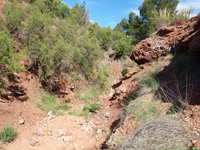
(124, 71)
(13, 16)
(85, 54)
(100, 79)
(165, 17)
(91, 108)
(7, 134)
(87, 110)
(8, 59)
(58, 40)
(182, 15)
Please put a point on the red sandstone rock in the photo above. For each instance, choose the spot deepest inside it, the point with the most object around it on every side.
(177, 37)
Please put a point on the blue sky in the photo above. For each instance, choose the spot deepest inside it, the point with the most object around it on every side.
(110, 12)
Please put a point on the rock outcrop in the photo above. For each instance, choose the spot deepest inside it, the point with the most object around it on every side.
(177, 37)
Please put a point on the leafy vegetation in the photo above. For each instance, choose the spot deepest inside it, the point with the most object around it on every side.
(154, 14)
(59, 40)
(8, 60)
(164, 17)
(144, 111)
(7, 134)
(48, 103)
(124, 71)
(88, 96)
(87, 110)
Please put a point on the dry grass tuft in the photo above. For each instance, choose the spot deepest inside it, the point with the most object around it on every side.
(159, 134)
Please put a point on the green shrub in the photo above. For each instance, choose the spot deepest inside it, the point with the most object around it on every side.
(92, 107)
(48, 103)
(87, 110)
(100, 79)
(7, 134)
(85, 54)
(121, 44)
(13, 16)
(124, 71)
(8, 59)
(58, 40)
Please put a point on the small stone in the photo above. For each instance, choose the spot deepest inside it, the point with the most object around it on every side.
(196, 134)
(82, 146)
(21, 121)
(41, 133)
(97, 138)
(198, 131)
(34, 141)
(87, 129)
(49, 113)
(51, 117)
(66, 138)
(96, 122)
(107, 115)
(59, 133)
(99, 131)
(50, 133)
(123, 89)
(91, 123)
(194, 141)
(117, 91)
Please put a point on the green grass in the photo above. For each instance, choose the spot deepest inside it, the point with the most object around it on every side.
(7, 134)
(48, 103)
(150, 82)
(124, 71)
(86, 110)
(89, 95)
(143, 111)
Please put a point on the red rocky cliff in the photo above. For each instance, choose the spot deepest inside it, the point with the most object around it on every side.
(177, 37)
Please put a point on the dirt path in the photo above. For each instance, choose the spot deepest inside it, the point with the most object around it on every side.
(63, 132)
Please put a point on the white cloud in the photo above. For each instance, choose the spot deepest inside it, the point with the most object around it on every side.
(187, 4)
(136, 11)
(89, 3)
(92, 21)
